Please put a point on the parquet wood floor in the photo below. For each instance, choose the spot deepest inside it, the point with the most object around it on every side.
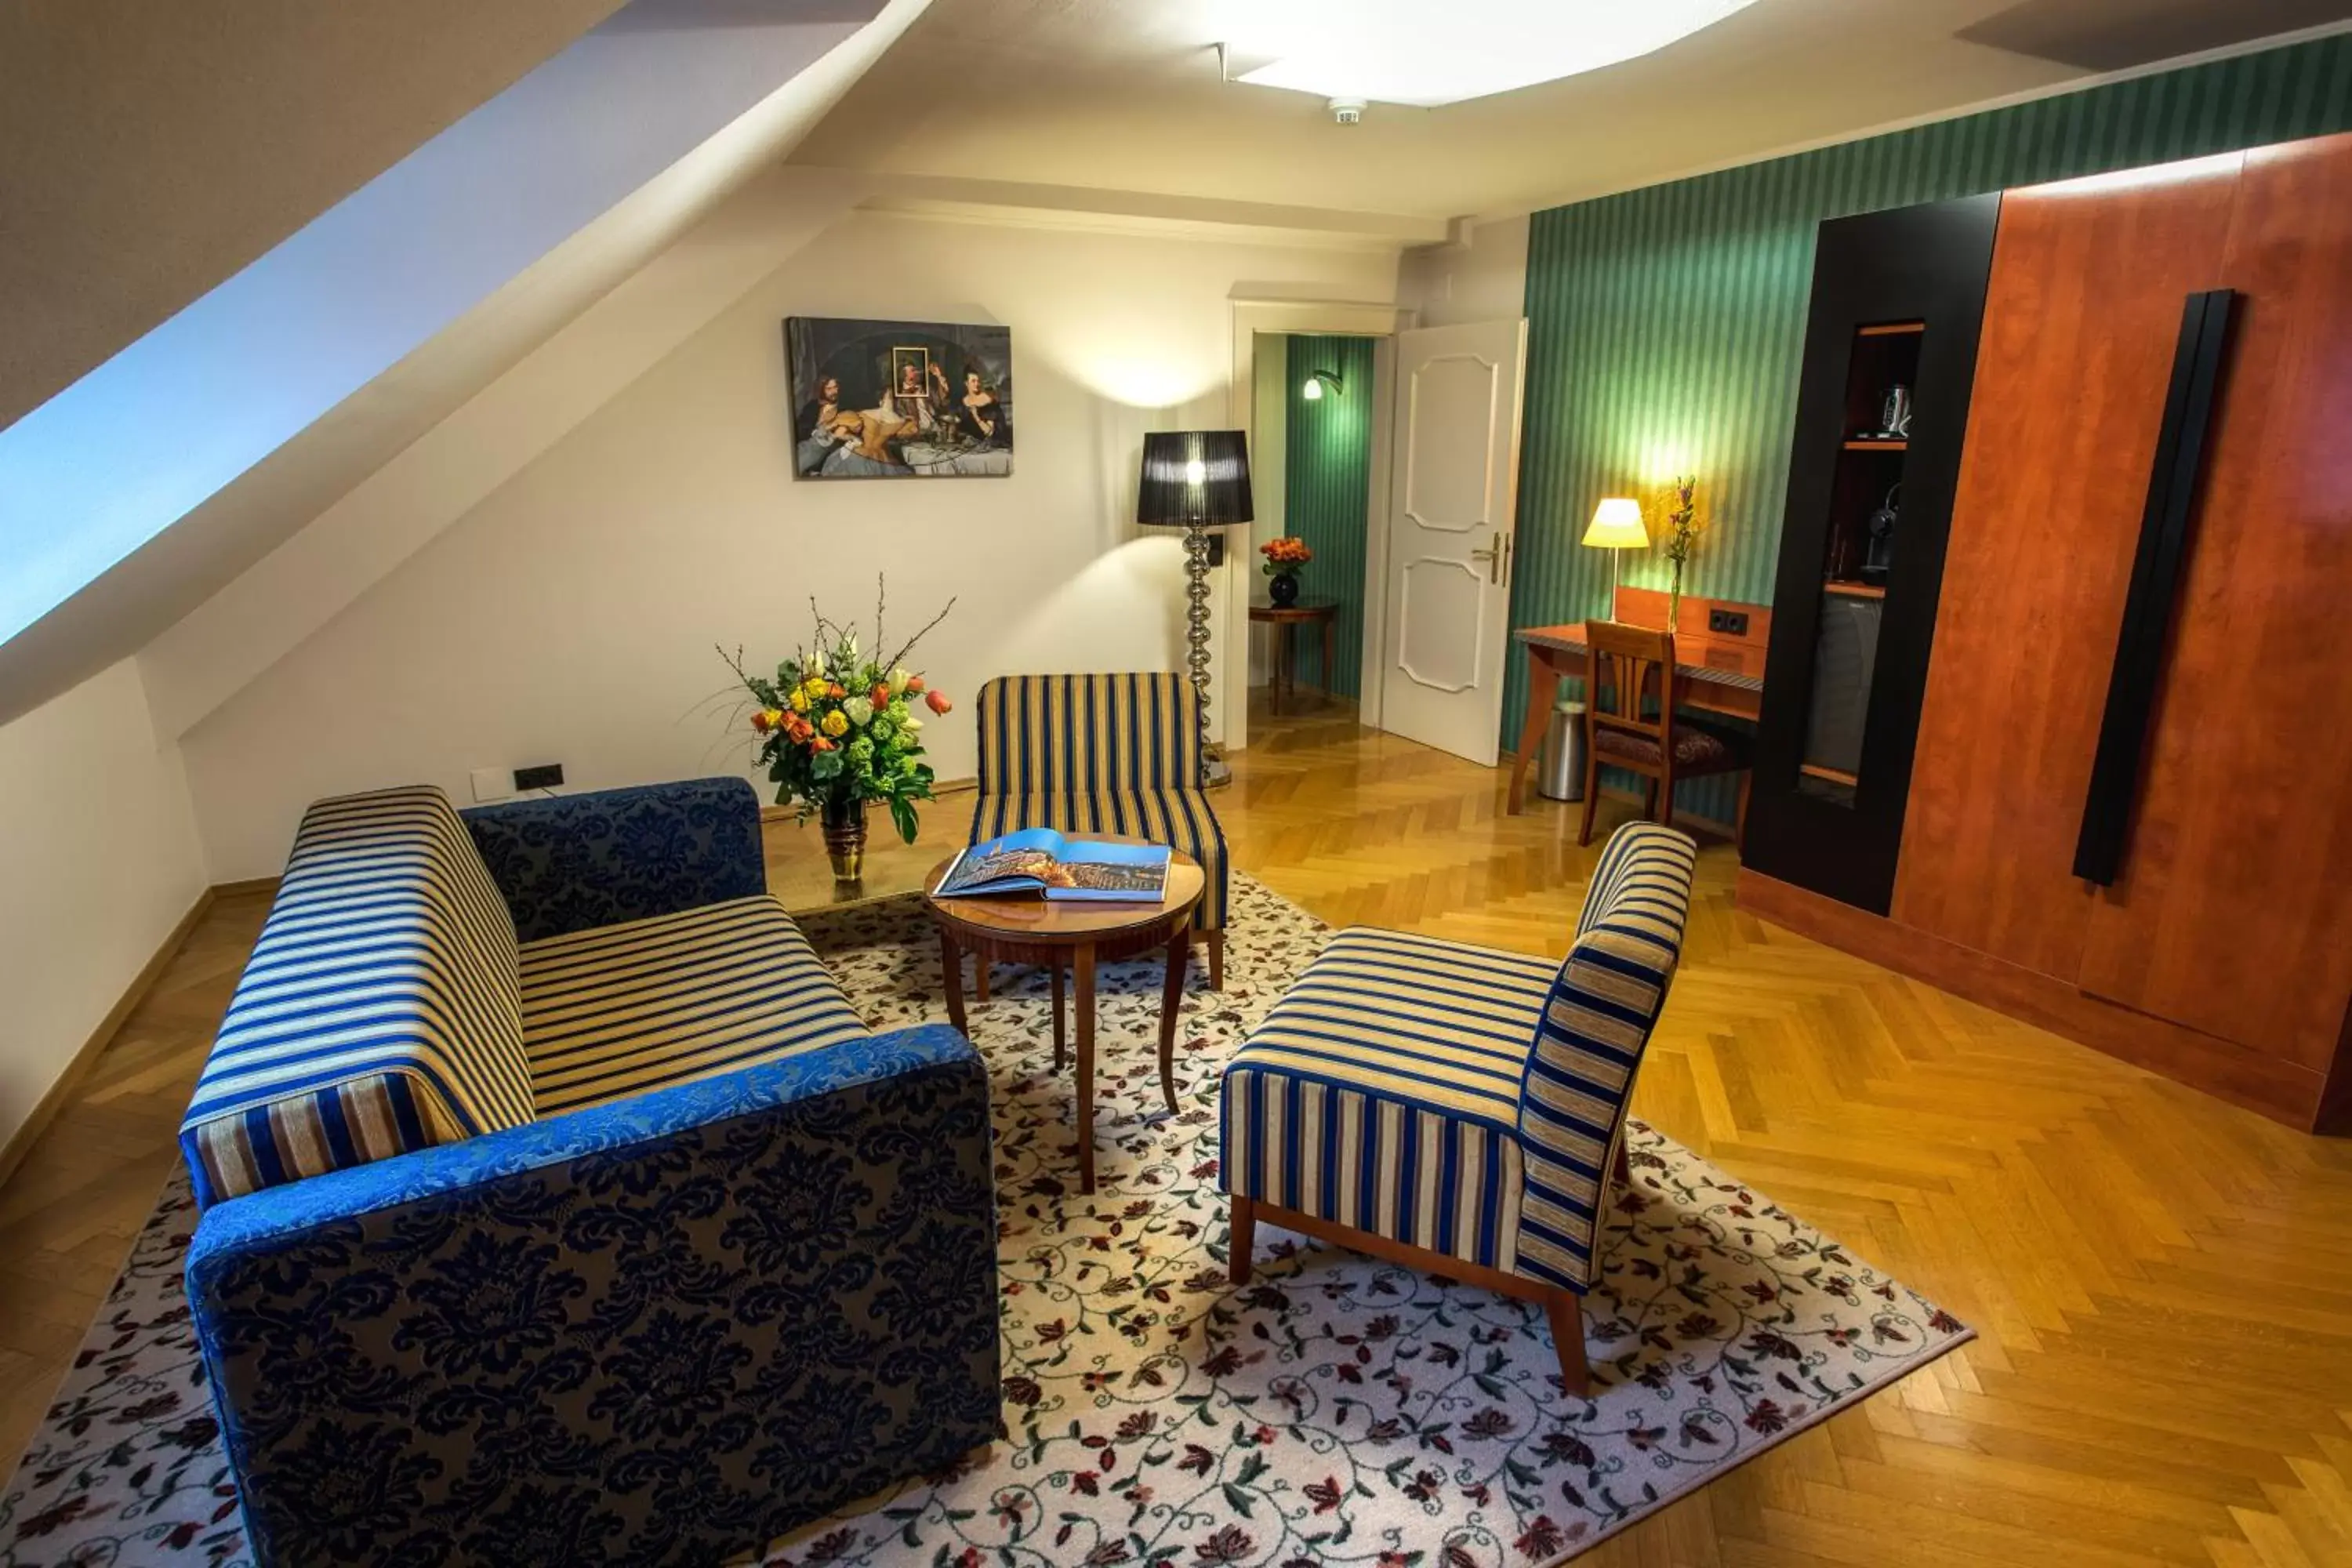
(2162, 1284)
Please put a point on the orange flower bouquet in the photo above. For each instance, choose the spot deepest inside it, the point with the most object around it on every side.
(1284, 557)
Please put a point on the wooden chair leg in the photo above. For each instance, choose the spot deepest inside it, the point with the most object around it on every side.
(1566, 1320)
(1216, 960)
(1667, 797)
(1739, 819)
(1245, 1236)
(1625, 1168)
(1650, 799)
(979, 977)
(1591, 790)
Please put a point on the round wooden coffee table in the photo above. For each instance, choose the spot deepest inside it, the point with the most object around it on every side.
(1081, 936)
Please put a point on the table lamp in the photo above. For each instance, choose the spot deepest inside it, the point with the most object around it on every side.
(1616, 526)
(1195, 481)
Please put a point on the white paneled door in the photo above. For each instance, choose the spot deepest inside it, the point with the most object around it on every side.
(1453, 501)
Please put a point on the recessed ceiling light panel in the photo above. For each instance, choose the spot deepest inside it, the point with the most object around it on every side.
(1403, 51)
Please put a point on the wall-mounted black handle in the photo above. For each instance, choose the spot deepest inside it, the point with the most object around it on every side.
(2164, 530)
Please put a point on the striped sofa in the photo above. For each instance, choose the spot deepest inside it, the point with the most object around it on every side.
(558, 1206)
(1459, 1109)
(1103, 753)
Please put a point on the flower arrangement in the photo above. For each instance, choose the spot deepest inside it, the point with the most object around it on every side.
(1684, 530)
(836, 728)
(1284, 557)
(1288, 553)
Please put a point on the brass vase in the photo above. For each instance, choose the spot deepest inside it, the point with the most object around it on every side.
(844, 837)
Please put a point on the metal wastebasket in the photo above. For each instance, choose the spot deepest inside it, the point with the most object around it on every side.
(1559, 771)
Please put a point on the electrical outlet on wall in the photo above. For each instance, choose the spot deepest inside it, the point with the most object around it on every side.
(492, 783)
(546, 775)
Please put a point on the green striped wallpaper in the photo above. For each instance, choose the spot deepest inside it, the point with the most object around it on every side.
(1666, 325)
(1327, 492)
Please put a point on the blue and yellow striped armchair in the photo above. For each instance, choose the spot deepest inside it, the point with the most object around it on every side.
(1459, 1109)
(1103, 753)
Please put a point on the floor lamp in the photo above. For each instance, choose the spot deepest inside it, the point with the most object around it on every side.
(1196, 480)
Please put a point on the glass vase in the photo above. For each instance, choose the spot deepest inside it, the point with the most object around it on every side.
(844, 818)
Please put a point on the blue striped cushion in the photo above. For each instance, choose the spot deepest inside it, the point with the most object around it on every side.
(1596, 1023)
(1180, 818)
(1382, 1092)
(1077, 735)
(380, 1011)
(617, 1010)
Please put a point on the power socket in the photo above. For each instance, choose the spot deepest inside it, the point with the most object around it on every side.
(1727, 623)
(547, 776)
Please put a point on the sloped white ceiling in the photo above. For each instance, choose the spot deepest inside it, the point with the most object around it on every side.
(156, 480)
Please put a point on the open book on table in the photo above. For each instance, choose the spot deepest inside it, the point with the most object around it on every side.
(1040, 860)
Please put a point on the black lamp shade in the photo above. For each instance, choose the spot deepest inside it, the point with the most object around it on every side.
(1194, 477)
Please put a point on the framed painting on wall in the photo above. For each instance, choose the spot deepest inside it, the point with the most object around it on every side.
(899, 400)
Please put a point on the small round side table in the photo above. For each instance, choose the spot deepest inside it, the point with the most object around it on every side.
(1286, 620)
(1082, 935)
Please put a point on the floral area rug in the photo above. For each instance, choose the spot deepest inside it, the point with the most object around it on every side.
(1336, 1410)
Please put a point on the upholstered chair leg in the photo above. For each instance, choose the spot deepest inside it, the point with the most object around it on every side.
(1245, 1236)
(1216, 960)
(1568, 1341)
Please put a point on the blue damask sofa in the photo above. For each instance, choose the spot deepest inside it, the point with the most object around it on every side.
(558, 1208)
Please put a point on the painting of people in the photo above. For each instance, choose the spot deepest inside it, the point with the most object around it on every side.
(899, 399)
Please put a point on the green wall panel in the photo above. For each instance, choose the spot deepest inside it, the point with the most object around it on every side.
(1326, 493)
(1667, 325)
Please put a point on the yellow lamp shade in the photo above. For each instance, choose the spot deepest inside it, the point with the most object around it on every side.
(1617, 525)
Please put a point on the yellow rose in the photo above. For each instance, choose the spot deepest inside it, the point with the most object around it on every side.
(835, 723)
(800, 702)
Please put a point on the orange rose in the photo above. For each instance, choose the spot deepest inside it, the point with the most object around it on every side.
(937, 702)
(820, 744)
(759, 722)
(836, 691)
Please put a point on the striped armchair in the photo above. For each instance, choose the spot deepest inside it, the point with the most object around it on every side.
(1103, 753)
(1457, 1108)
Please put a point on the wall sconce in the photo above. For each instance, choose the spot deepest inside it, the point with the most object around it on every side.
(1316, 383)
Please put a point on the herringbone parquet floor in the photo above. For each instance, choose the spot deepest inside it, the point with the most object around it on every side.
(2163, 1284)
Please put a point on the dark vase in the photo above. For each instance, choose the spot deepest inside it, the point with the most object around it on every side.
(845, 837)
(1283, 589)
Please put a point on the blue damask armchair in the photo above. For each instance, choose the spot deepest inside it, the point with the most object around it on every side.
(624, 1242)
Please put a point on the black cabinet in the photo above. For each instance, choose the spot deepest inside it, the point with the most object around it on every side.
(1890, 351)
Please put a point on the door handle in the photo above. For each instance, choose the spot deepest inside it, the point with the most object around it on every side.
(2164, 529)
(1493, 556)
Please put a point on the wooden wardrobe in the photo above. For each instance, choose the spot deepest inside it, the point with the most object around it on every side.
(2127, 814)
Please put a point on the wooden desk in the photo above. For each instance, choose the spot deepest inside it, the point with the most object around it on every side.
(1715, 672)
(1286, 620)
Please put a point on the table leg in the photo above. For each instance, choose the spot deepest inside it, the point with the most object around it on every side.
(1283, 632)
(951, 970)
(1171, 1002)
(1543, 690)
(1053, 967)
(1082, 960)
(1326, 634)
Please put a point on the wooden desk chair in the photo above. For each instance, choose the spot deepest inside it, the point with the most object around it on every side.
(1619, 731)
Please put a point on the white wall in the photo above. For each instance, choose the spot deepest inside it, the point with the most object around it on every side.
(99, 861)
(1269, 430)
(571, 615)
(1483, 277)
